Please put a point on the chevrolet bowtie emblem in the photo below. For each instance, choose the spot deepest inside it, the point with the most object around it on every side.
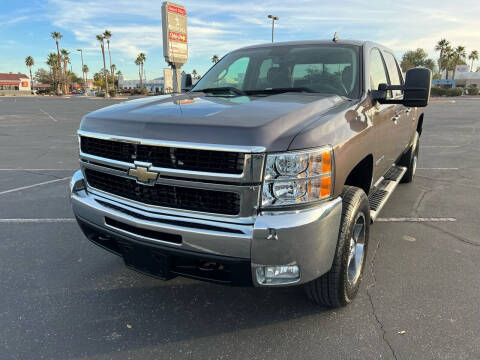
(142, 174)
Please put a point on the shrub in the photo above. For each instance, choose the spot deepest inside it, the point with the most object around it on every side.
(138, 91)
(473, 91)
(458, 91)
(436, 91)
(112, 93)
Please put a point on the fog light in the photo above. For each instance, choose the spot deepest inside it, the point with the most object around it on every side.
(274, 275)
(77, 182)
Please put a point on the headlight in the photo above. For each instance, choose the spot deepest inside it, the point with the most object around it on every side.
(298, 177)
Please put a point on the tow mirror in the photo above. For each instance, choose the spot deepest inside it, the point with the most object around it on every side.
(416, 91)
(186, 82)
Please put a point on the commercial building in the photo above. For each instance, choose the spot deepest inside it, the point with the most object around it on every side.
(154, 85)
(12, 84)
(163, 84)
(463, 78)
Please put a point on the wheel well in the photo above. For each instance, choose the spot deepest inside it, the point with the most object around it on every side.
(361, 174)
(420, 125)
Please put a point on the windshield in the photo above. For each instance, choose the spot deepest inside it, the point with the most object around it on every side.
(330, 69)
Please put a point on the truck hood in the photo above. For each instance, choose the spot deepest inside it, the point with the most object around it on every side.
(268, 121)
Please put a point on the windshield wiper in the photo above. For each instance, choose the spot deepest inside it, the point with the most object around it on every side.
(280, 90)
(221, 90)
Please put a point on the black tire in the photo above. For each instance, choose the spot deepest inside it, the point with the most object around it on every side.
(334, 289)
(410, 159)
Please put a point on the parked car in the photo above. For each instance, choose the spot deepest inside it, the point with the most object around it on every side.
(268, 173)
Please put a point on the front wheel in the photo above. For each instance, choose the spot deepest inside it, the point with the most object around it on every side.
(339, 286)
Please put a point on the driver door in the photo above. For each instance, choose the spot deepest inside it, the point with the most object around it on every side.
(383, 119)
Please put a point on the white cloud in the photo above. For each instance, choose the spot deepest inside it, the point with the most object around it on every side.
(217, 26)
(5, 20)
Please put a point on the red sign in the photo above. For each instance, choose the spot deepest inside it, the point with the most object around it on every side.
(24, 83)
(177, 10)
(175, 36)
(9, 83)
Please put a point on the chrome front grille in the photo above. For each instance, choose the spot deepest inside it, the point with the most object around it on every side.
(166, 157)
(217, 180)
(171, 196)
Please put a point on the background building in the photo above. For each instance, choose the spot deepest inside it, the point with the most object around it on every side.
(463, 78)
(163, 84)
(12, 84)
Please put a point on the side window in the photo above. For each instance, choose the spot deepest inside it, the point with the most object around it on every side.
(393, 72)
(234, 75)
(377, 70)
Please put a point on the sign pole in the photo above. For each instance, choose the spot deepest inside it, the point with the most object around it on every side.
(176, 87)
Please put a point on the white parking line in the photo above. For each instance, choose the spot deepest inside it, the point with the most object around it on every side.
(416, 219)
(38, 169)
(439, 168)
(441, 146)
(51, 220)
(34, 185)
(50, 116)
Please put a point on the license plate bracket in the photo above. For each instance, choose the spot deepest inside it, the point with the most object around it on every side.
(144, 260)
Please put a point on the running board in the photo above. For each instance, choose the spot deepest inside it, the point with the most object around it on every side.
(384, 189)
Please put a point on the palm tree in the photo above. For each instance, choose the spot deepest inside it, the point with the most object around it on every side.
(441, 46)
(107, 34)
(30, 62)
(141, 58)
(85, 71)
(473, 56)
(52, 62)
(113, 67)
(100, 38)
(137, 62)
(57, 36)
(447, 59)
(459, 53)
(119, 73)
(194, 73)
(66, 60)
(215, 59)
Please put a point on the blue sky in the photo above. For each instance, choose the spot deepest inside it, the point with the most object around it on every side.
(217, 26)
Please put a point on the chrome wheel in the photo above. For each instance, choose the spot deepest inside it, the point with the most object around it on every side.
(356, 250)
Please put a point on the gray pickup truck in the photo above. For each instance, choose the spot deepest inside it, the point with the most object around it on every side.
(268, 172)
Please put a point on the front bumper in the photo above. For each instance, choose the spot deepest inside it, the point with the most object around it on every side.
(213, 249)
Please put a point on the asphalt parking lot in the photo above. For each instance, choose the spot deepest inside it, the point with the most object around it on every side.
(63, 298)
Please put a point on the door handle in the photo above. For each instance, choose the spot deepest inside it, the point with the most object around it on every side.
(396, 117)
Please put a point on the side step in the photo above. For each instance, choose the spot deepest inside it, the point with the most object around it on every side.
(384, 189)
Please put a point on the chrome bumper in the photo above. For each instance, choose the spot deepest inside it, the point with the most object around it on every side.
(306, 238)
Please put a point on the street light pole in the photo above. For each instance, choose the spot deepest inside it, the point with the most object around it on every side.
(83, 74)
(273, 17)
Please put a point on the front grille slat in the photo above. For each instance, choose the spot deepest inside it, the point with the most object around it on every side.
(178, 197)
(166, 157)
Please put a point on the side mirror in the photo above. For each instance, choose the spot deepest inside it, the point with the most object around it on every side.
(186, 82)
(418, 82)
(416, 91)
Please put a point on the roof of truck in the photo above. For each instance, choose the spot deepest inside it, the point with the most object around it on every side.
(317, 42)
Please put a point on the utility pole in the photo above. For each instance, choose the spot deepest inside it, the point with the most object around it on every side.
(83, 74)
(273, 17)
